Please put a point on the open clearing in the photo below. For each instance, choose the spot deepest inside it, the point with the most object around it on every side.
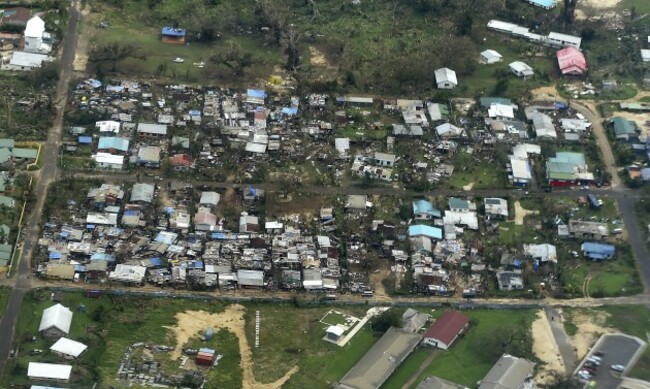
(521, 213)
(590, 325)
(191, 323)
(546, 349)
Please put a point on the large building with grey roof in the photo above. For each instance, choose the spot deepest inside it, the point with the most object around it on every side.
(381, 360)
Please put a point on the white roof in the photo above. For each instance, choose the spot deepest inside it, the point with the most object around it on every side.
(128, 273)
(50, 371)
(521, 67)
(102, 218)
(56, 316)
(574, 40)
(258, 148)
(21, 58)
(446, 75)
(544, 252)
(490, 54)
(342, 145)
(522, 150)
(69, 347)
(273, 225)
(210, 198)
(336, 330)
(468, 219)
(501, 26)
(645, 55)
(501, 110)
(449, 129)
(43, 387)
(108, 126)
(520, 169)
(434, 111)
(34, 28)
(109, 158)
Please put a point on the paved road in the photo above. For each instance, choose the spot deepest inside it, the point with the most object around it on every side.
(561, 339)
(47, 174)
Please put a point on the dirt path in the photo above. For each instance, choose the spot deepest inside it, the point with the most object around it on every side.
(81, 53)
(468, 187)
(192, 323)
(521, 213)
(421, 369)
(376, 281)
(546, 349)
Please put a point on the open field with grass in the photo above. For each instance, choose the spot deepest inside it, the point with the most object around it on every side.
(4, 299)
(288, 336)
(468, 360)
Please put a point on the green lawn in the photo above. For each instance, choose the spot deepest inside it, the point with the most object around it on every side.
(290, 336)
(474, 354)
(641, 6)
(408, 368)
(4, 298)
(478, 170)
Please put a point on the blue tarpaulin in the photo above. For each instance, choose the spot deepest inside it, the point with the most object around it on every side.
(79, 268)
(559, 105)
(94, 83)
(169, 210)
(102, 257)
(219, 236)
(195, 112)
(85, 140)
(90, 226)
(260, 94)
(55, 255)
(156, 262)
(65, 234)
(290, 111)
(171, 31)
(516, 263)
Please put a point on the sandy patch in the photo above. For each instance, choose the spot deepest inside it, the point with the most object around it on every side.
(545, 91)
(591, 324)
(521, 213)
(316, 57)
(600, 4)
(376, 279)
(546, 350)
(192, 323)
(468, 186)
(81, 50)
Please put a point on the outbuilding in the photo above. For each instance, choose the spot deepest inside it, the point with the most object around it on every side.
(444, 332)
(446, 78)
(55, 321)
(68, 348)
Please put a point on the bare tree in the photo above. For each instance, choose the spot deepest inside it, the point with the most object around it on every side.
(569, 12)
(291, 38)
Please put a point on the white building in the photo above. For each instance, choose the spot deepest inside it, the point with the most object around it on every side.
(446, 78)
(490, 56)
(34, 32)
(108, 161)
(24, 61)
(55, 321)
(48, 371)
(520, 69)
(68, 348)
(128, 274)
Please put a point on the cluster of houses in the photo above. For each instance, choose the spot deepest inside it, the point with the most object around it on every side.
(26, 51)
(388, 353)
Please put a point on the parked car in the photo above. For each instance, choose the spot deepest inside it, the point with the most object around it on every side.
(179, 60)
(618, 368)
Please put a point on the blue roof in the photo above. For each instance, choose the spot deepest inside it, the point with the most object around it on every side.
(90, 226)
(543, 3)
(598, 250)
(290, 111)
(195, 112)
(110, 142)
(85, 140)
(198, 265)
(131, 212)
(421, 229)
(55, 255)
(425, 206)
(260, 94)
(171, 31)
(219, 236)
(80, 268)
(102, 257)
(155, 262)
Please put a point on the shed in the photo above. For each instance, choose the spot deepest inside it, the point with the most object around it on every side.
(173, 35)
(68, 348)
(446, 78)
(48, 371)
(55, 321)
(444, 332)
(521, 69)
(333, 333)
(490, 56)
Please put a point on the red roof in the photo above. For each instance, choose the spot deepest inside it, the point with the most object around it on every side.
(571, 61)
(447, 328)
(181, 160)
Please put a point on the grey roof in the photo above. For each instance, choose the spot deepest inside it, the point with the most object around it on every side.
(211, 198)
(381, 360)
(250, 277)
(151, 128)
(508, 373)
(149, 154)
(438, 383)
(21, 58)
(142, 192)
(446, 75)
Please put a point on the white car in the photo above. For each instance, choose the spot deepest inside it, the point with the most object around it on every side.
(179, 60)
(618, 368)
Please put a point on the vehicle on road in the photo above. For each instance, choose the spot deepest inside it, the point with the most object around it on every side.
(179, 60)
(618, 368)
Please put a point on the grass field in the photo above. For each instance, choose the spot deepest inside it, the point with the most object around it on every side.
(467, 361)
(291, 336)
(4, 299)
(477, 170)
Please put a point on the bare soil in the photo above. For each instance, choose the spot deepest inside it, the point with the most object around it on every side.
(591, 325)
(81, 51)
(521, 213)
(192, 323)
(546, 350)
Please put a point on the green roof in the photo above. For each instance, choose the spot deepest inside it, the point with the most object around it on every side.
(7, 201)
(5, 248)
(456, 203)
(487, 101)
(24, 153)
(5, 155)
(623, 126)
(3, 262)
(7, 143)
(569, 157)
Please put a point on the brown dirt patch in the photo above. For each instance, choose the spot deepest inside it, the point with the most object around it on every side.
(591, 324)
(546, 350)
(81, 51)
(521, 213)
(191, 323)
